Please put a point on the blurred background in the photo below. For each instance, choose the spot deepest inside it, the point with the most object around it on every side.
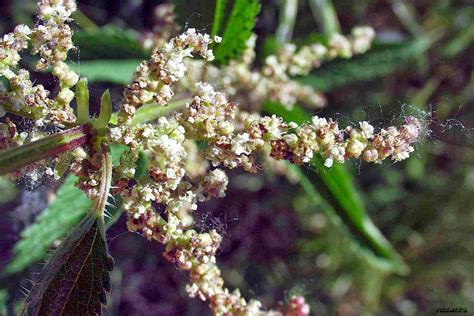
(278, 239)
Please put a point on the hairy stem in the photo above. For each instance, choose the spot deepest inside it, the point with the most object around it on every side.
(105, 182)
(52, 145)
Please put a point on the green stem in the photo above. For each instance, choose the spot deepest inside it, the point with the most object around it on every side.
(52, 145)
(84, 22)
(288, 11)
(218, 16)
(406, 13)
(152, 111)
(325, 15)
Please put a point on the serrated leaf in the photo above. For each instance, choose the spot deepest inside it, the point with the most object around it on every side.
(114, 71)
(346, 205)
(108, 42)
(67, 209)
(76, 278)
(378, 62)
(238, 30)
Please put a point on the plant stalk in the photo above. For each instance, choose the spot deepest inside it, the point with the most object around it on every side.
(326, 17)
(50, 146)
(288, 11)
(105, 182)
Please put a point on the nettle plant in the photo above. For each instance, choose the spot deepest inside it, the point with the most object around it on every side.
(158, 157)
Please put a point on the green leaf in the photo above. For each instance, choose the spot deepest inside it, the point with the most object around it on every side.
(108, 42)
(142, 166)
(76, 278)
(238, 30)
(116, 151)
(66, 210)
(105, 111)
(82, 99)
(114, 71)
(343, 202)
(378, 62)
(462, 41)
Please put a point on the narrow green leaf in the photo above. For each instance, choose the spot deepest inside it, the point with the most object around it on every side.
(108, 42)
(82, 99)
(76, 278)
(345, 201)
(238, 30)
(105, 111)
(114, 71)
(378, 62)
(460, 42)
(62, 214)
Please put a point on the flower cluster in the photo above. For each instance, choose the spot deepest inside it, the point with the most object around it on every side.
(51, 39)
(153, 79)
(274, 80)
(163, 29)
(162, 174)
(160, 205)
(209, 117)
(9, 136)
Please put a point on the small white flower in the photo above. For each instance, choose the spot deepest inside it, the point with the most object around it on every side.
(367, 129)
(328, 162)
